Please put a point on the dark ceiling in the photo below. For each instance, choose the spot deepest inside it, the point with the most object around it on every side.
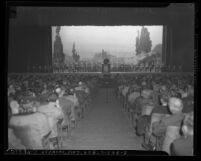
(48, 16)
(30, 29)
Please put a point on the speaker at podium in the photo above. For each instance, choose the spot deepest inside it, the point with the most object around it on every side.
(106, 66)
(106, 76)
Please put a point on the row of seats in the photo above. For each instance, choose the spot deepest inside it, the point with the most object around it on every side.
(43, 108)
(160, 109)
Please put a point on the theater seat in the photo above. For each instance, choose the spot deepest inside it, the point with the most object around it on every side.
(142, 123)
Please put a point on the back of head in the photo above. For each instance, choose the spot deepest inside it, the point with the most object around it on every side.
(146, 93)
(175, 105)
(52, 97)
(14, 107)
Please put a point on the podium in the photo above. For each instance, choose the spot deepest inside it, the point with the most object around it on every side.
(106, 67)
(106, 76)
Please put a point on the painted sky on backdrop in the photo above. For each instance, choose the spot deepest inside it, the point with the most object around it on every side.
(113, 39)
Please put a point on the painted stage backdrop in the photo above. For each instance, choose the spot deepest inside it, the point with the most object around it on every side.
(83, 48)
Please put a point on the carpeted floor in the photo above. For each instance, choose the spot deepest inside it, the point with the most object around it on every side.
(105, 127)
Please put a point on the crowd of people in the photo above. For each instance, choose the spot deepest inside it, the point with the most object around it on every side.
(160, 108)
(73, 68)
(41, 108)
(116, 68)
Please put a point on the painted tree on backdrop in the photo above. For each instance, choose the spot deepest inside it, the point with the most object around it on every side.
(59, 56)
(143, 42)
(75, 55)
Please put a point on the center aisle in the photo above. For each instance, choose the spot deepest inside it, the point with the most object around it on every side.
(104, 127)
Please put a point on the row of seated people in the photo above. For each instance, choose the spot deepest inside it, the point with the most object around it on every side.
(98, 68)
(161, 110)
(76, 68)
(43, 108)
(121, 68)
(136, 68)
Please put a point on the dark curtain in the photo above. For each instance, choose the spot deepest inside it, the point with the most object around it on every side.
(29, 49)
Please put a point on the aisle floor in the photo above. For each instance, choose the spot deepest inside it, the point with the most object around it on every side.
(104, 127)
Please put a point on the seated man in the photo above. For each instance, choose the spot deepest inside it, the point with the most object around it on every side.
(188, 105)
(156, 93)
(133, 93)
(124, 94)
(146, 107)
(168, 128)
(158, 113)
(173, 123)
(184, 145)
(188, 101)
(161, 110)
(131, 105)
(80, 87)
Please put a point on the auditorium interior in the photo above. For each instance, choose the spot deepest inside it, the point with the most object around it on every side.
(119, 108)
